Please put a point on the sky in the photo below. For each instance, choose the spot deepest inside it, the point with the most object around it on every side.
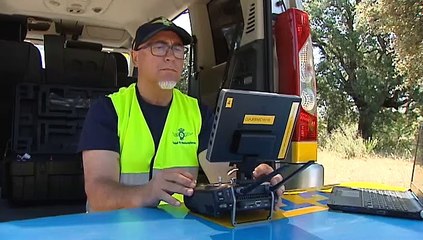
(183, 21)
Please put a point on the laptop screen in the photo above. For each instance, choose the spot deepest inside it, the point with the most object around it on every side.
(417, 181)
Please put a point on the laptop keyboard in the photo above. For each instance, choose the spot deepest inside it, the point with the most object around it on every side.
(382, 199)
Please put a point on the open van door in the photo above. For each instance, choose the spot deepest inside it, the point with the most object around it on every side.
(264, 45)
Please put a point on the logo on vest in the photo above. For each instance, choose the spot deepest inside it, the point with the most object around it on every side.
(182, 135)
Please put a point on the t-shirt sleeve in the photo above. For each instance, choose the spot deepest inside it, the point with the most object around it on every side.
(100, 127)
(207, 122)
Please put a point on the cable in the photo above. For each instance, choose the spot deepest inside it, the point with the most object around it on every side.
(268, 177)
(286, 179)
(282, 5)
(229, 67)
(261, 180)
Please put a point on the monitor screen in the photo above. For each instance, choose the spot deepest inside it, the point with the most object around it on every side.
(242, 37)
(224, 16)
(252, 125)
(417, 181)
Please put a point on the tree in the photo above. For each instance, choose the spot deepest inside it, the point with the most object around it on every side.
(404, 18)
(357, 67)
(185, 76)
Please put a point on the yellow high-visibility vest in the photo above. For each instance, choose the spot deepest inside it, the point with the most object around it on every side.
(178, 144)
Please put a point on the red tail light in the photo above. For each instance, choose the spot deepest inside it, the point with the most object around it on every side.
(306, 127)
(297, 77)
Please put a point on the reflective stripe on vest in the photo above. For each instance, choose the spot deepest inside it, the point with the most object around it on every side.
(142, 178)
(178, 144)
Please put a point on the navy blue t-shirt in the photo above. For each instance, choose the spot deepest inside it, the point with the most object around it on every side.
(100, 126)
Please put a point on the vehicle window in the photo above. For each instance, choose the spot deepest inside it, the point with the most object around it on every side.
(224, 16)
(128, 59)
(183, 20)
(41, 49)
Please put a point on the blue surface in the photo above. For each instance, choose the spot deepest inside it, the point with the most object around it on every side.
(175, 223)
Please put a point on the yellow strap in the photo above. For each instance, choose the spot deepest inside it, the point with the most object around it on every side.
(178, 196)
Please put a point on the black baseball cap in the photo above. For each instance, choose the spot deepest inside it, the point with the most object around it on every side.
(149, 29)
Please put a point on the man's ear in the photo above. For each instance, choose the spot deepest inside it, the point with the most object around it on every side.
(134, 57)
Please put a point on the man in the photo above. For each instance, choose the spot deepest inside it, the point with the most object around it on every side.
(129, 157)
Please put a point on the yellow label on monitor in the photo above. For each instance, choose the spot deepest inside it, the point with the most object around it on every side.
(229, 102)
(288, 130)
(259, 119)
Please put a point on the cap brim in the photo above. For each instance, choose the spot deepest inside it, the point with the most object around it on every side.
(184, 35)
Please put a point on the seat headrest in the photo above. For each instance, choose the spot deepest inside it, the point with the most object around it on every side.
(13, 27)
(84, 45)
(121, 63)
(135, 72)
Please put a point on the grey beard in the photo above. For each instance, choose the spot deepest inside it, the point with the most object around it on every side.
(167, 84)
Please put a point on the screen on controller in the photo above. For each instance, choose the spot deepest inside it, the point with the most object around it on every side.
(252, 125)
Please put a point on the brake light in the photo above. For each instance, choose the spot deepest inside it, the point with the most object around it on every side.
(297, 77)
(308, 114)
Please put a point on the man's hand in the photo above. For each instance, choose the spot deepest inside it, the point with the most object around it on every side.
(264, 169)
(167, 182)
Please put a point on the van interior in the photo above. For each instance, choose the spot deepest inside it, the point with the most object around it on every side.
(58, 56)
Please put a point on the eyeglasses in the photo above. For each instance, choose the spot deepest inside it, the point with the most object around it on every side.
(160, 49)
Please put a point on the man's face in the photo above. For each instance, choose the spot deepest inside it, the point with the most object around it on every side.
(162, 70)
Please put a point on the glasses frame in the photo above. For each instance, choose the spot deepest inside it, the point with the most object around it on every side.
(169, 47)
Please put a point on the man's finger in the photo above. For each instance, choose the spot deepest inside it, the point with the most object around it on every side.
(280, 191)
(278, 204)
(172, 187)
(262, 169)
(187, 174)
(276, 179)
(179, 179)
(180, 171)
(169, 199)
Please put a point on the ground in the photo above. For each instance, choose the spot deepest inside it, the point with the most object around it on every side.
(385, 170)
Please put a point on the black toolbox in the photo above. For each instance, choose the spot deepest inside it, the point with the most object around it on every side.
(42, 163)
(47, 178)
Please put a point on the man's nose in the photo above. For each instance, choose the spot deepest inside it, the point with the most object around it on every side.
(170, 56)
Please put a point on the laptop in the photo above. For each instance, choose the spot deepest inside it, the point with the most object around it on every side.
(408, 204)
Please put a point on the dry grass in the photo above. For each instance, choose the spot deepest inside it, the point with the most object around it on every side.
(390, 171)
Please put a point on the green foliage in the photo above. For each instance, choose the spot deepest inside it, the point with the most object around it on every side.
(335, 106)
(404, 18)
(183, 83)
(396, 133)
(395, 137)
(360, 80)
(345, 141)
(357, 77)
